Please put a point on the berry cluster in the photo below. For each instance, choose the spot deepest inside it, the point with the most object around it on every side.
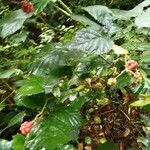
(138, 77)
(111, 81)
(27, 7)
(132, 65)
(26, 127)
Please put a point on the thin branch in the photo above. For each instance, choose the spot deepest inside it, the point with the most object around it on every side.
(63, 11)
(65, 6)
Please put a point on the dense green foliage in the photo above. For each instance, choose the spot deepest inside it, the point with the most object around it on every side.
(79, 70)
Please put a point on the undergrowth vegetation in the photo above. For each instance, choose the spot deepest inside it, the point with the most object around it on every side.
(74, 75)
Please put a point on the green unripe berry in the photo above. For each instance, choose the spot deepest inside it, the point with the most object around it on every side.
(88, 140)
(111, 81)
(98, 86)
(103, 101)
(97, 120)
(91, 110)
(102, 140)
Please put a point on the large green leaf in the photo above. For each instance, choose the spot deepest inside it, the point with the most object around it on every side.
(40, 5)
(31, 86)
(143, 20)
(5, 145)
(16, 119)
(102, 16)
(123, 14)
(5, 118)
(84, 20)
(100, 13)
(141, 7)
(33, 102)
(89, 64)
(18, 142)
(55, 61)
(92, 40)
(20, 37)
(13, 22)
(138, 10)
(55, 130)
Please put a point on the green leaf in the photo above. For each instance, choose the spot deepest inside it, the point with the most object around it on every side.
(104, 16)
(145, 56)
(138, 10)
(9, 73)
(141, 103)
(67, 147)
(55, 130)
(89, 64)
(79, 102)
(18, 142)
(143, 20)
(16, 119)
(145, 119)
(55, 61)
(100, 13)
(13, 22)
(137, 46)
(140, 7)
(137, 90)
(144, 100)
(31, 86)
(123, 80)
(145, 141)
(107, 146)
(84, 20)
(18, 38)
(2, 106)
(92, 40)
(32, 102)
(5, 145)
(5, 118)
(122, 14)
(40, 5)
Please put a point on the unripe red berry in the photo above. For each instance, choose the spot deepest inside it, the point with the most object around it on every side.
(26, 127)
(132, 65)
(111, 81)
(27, 7)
